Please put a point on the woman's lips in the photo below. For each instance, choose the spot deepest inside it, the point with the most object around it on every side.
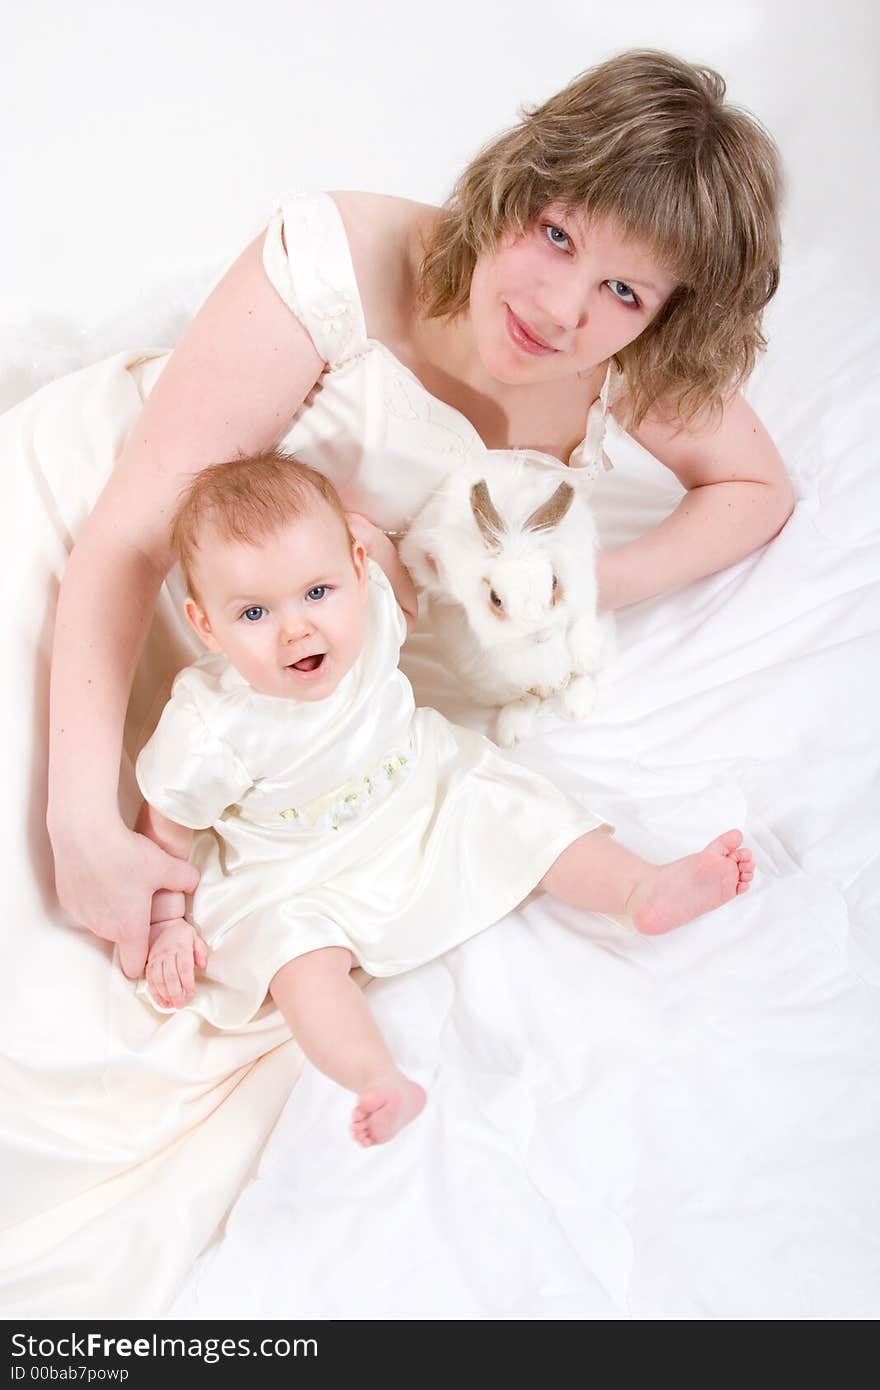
(523, 339)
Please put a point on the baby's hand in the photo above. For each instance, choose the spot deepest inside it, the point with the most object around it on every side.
(175, 950)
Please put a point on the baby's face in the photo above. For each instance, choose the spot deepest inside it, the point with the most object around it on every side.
(288, 610)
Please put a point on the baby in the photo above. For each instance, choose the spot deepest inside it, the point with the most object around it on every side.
(338, 825)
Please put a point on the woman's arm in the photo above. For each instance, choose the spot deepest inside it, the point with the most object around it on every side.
(739, 496)
(237, 378)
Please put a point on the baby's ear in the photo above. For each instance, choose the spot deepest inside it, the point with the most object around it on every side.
(359, 561)
(198, 620)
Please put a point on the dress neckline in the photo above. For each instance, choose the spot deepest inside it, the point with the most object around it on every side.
(600, 402)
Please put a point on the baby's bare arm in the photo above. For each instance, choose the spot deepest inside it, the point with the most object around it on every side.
(167, 905)
(167, 834)
(176, 948)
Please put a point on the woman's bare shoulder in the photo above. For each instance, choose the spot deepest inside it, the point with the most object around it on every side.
(728, 445)
(385, 236)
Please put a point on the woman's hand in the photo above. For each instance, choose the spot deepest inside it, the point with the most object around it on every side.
(381, 548)
(106, 880)
(374, 540)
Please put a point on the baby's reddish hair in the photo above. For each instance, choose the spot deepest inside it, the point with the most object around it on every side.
(245, 500)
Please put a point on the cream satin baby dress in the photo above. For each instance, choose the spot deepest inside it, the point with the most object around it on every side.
(356, 820)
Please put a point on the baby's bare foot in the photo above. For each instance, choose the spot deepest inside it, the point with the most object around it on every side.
(672, 894)
(384, 1108)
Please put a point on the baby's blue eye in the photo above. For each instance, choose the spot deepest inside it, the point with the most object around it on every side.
(254, 614)
(550, 230)
(319, 589)
(620, 290)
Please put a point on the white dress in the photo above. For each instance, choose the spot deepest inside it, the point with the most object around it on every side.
(356, 821)
(114, 1110)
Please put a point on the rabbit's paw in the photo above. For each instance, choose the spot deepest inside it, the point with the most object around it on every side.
(585, 642)
(514, 722)
(578, 699)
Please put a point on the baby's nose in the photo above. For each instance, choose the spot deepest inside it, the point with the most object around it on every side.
(294, 630)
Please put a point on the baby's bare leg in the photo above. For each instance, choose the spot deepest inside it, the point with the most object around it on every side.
(599, 875)
(331, 1020)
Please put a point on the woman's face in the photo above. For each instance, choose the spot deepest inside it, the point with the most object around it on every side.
(562, 298)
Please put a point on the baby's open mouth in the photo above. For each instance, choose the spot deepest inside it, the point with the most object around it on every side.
(308, 663)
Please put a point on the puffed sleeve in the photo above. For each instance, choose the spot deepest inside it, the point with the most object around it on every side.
(308, 261)
(186, 771)
(390, 613)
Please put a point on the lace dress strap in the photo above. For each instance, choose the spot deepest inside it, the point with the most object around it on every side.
(590, 456)
(308, 261)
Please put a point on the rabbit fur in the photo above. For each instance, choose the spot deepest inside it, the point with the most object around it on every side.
(505, 556)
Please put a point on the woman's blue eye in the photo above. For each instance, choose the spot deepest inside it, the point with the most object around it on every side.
(550, 230)
(619, 290)
(319, 589)
(254, 614)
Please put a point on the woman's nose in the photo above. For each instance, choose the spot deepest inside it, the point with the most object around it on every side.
(567, 305)
(569, 312)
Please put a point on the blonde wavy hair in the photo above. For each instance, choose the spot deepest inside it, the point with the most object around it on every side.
(648, 142)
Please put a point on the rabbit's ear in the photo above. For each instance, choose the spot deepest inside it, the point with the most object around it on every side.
(491, 525)
(551, 512)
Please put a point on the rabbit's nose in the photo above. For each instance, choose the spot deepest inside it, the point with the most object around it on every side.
(543, 636)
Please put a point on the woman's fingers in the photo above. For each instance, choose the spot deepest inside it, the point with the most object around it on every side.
(133, 943)
(177, 875)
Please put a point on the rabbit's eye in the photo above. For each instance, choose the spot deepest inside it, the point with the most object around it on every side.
(555, 583)
(494, 598)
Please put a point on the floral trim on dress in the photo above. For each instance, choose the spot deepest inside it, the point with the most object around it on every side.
(352, 799)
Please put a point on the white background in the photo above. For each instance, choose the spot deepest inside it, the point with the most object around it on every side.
(143, 145)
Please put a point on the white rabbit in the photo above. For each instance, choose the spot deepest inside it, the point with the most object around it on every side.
(505, 557)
